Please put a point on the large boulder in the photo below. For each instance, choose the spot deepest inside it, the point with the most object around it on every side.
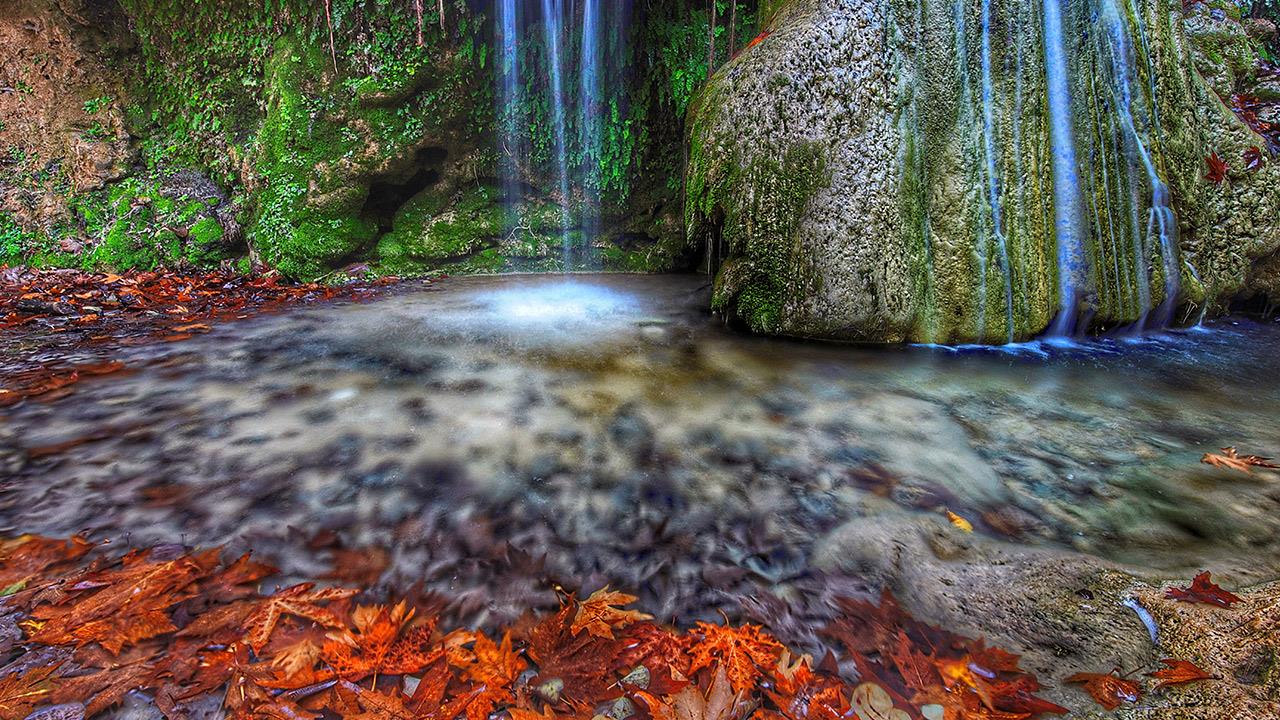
(930, 171)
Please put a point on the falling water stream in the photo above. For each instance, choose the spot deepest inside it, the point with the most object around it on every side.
(511, 138)
(552, 15)
(574, 107)
(1162, 224)
(993, 178)
(1066, 173)
(589, 111)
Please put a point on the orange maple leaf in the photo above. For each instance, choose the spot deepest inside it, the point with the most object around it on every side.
(19, 692)
(801, 694)
(381, 642)
(493, 667)
(1231, 459)
(1109, 690)
(599, 616)
(719, 702)
(300, 601)
(1177, 672)
(742, 651)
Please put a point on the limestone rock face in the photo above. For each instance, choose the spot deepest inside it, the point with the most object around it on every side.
(56, 109)
(981, 170)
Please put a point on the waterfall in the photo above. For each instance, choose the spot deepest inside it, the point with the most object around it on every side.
(589, 113)
(552, 19)
(1161, 224)
(574, 131)
(993, 179)
(1066, 172)
(512, 146)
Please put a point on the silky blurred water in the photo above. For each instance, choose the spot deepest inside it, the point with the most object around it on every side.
(517, 432)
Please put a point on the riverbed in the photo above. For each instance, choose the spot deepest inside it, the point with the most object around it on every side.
(499, 438)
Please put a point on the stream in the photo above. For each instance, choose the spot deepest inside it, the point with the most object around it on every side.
(503, 437)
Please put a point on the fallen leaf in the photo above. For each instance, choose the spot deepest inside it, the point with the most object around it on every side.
(1231, 459)
(741, 651)
(718, 703)
(1177, 672)
(1253, 159)
(959, 522)
(601, 614)
(300, 601)
(1218, 169)
(19, 692)
(1110, 690)
(1202, 590)
(872, 702)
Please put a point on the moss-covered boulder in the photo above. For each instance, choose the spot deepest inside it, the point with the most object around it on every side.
(897, 171)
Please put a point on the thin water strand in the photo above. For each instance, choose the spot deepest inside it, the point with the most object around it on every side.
(1066, 172)
(552, 18)
(993, 179)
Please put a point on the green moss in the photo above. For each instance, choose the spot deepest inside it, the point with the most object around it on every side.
(431, 228)
(758, 209)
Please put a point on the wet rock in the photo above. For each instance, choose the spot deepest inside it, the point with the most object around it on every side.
(543, 466)
(632, 433)
(1022, 599)
(35, 306)
(744, 451)
(66, 711)
(386, 474)
(343, 452)
(436, 480)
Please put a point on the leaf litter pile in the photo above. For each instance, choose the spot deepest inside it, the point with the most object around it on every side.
(199, 634)
(87, 317)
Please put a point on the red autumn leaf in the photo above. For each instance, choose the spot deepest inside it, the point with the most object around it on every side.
(579, 663)
(1202, 590)
(742, 651)
(1231, 459)
(1110, 690)
(1253, 159)
(600, 614)
(647, 644)
(1177, 672)
(300, 601)
(1217, 169)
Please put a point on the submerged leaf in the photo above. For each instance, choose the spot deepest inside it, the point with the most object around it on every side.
(1110, 690)
(1178, 672)
(1203, 590)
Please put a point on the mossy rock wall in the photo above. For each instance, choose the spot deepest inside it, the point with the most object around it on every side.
(935, 214)
(375, 147)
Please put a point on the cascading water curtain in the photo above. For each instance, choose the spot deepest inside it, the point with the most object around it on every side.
(513, 150)
(553, 25)
(1137, 114)
(993, 178)
(1067, 199)
(537, 41)
(590, 111)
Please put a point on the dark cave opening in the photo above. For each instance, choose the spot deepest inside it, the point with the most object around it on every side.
(389, 193)
(1255, 305)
